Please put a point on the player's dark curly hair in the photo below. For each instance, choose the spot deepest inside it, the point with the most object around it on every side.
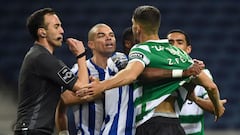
(187, 38)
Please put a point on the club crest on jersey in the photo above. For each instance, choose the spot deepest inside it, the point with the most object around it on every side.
(136, 55)
(66, 75)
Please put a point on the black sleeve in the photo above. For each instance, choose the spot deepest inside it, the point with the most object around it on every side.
(55, 70)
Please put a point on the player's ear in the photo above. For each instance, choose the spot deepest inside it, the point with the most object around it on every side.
(91, 44)
(189, 49)
(139, 29)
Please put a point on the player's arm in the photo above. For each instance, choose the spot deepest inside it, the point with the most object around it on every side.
(156, 74)
(205, 103)
(61, 118)
(67, 98)
(70, 98)
(212, 91)
(123, 77)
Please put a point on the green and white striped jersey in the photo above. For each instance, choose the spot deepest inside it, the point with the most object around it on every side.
(158, 54)
(191, 115)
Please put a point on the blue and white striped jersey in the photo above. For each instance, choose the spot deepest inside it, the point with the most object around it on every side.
(88, 117)
(119, 109)
(113, 115)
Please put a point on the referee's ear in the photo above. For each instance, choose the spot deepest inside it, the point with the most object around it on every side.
(42, 33)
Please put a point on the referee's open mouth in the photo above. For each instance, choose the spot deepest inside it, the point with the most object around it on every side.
(60, 39)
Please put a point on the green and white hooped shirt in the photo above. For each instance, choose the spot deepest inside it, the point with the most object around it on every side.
(158, 54)
(191, 115)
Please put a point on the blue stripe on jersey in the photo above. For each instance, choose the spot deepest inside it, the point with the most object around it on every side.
(93, 70)
(80, 120)
(71, 124)
(100, 71)
(92, 111)
(119, 111)
(130, 112)
(111, 72)
(122, 122)
(91, 105)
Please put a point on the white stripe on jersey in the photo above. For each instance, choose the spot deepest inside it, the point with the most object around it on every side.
(192, 128)
(119, 109)
(195, 109)
(191, 110)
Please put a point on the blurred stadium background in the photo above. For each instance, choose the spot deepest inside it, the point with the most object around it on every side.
(213, 25)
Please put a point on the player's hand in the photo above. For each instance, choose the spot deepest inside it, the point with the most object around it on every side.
(194, 70)
(75, 46)
(221, 109)
(89, 98)
(92, 89)
(199, 62)
(83, 93)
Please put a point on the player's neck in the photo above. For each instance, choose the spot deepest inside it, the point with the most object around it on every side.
(100, 61)
(145, 38)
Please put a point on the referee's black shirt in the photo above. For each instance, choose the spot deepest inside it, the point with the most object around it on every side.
(40, 80)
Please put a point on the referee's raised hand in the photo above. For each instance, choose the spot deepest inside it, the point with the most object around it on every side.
(75, 46)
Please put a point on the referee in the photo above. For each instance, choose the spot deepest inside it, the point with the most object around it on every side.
(42, 75)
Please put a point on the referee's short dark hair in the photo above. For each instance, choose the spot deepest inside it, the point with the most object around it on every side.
(36, 20)
(188, 40)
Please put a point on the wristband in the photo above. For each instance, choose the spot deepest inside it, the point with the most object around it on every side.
(177, 73)
(81, 55)
(64, 132)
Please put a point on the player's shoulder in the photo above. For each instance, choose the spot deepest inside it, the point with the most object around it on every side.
(119, 54)
(208, 73)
